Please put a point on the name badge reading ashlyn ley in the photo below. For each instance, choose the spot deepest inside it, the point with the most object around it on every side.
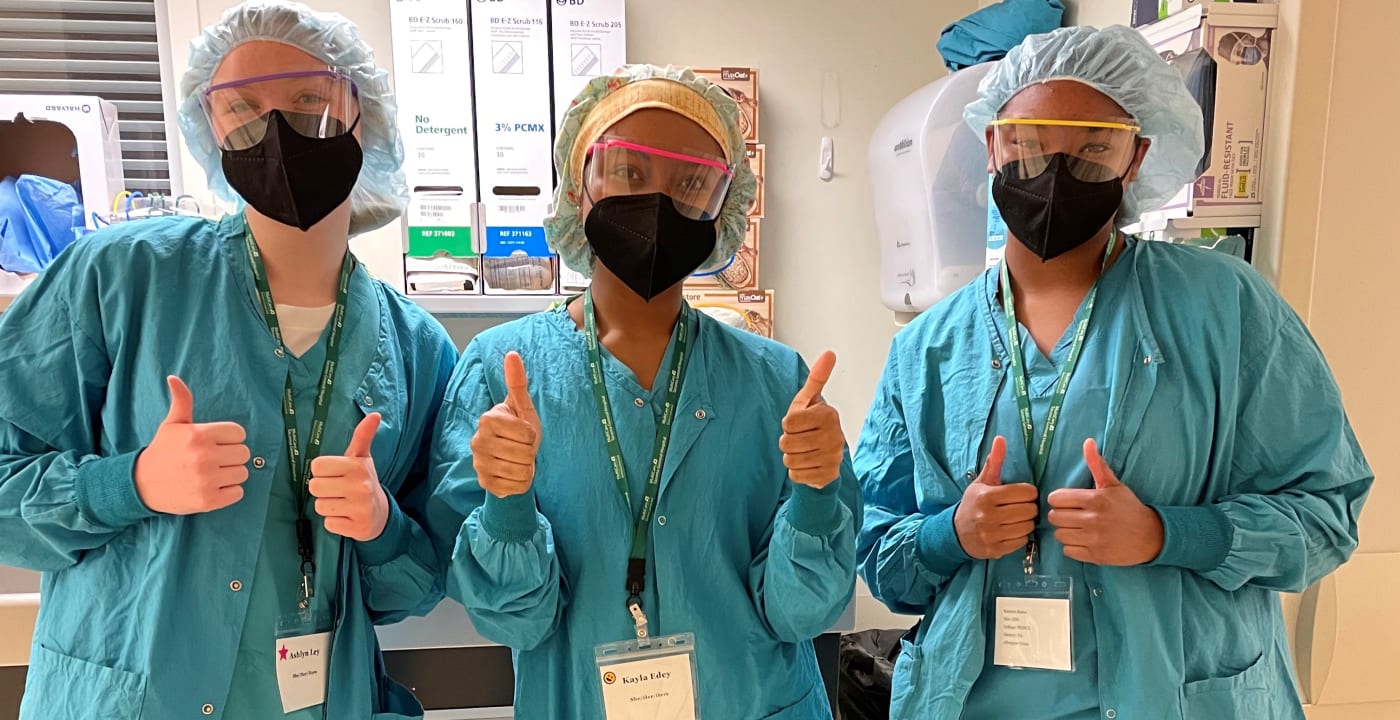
(303, 662)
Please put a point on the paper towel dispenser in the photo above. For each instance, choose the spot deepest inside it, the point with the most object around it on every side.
(928, 175)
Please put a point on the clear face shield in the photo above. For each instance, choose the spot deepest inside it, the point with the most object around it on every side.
(696, 182)
(316, 103)
(1094, 151)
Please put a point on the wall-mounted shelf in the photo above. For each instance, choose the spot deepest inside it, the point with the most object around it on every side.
(484, 306)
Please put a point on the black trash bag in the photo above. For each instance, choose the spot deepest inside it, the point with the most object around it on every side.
(867, 673)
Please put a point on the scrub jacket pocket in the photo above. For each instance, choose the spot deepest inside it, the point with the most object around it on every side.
(908, 670)
(103, 692)
(1244, 696)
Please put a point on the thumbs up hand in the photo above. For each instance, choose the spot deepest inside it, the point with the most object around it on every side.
(994, 520)
(507, 437)
(1106, 524)
(347, 490)
(812, 443)
(191, 467)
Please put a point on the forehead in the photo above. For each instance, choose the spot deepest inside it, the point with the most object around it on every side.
(666, 130)
(263, 57)
(1062, 100)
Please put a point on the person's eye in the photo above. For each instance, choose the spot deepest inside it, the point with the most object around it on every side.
(630, 173)
(1095, 149)
(310, 98)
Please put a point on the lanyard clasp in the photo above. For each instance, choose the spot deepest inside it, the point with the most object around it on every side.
(639, 618)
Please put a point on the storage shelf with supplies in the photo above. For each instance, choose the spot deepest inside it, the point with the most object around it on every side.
(485, 306)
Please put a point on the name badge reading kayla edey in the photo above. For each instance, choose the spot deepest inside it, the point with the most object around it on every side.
(649, 679)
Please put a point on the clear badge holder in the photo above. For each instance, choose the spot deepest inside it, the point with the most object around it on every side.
(1034, 623)
(302, 658)
(649, 678)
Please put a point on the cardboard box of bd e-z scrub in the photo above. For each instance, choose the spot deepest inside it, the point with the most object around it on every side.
(514, 130)
(1223, 51)
(589, 39)
(432, 63)
(742, 84)
(749, 310)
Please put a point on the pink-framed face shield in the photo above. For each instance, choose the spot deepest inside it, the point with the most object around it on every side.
(696, 182)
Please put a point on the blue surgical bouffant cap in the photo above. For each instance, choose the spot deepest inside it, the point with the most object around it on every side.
(380, 193)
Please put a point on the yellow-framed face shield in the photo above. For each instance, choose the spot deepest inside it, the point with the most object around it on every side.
(1094, 151)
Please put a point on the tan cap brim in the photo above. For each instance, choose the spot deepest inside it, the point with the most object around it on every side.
(652, 93)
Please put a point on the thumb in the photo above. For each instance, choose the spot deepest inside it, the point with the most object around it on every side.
(991, 472)
(181, 402)
(518, 388)
(1103, 475)
(364, 437)
(820, 373)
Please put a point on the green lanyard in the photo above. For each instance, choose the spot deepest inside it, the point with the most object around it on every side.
(300, 464)
(1040, 454)
(637, 564)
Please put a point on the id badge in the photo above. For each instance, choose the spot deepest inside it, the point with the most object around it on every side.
(649, 678)
(1034, 626)
(302, 658)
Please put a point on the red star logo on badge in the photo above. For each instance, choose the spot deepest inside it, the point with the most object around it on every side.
(282, 654)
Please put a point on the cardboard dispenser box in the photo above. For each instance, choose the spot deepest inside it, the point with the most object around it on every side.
(740, 273)
(432, 63)
(440, 256)
(750, 311)
(742, 84)
(589, 39)
(1222, 51)
(514, 132)
(69, 138)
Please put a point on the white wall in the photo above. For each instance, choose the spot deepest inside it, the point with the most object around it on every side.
(1097, 13)
(1337, 266)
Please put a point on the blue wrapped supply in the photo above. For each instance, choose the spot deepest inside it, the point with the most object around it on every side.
(991, 32)
(39, 218)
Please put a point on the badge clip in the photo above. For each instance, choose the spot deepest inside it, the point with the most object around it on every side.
(307, 568)
(639, 619)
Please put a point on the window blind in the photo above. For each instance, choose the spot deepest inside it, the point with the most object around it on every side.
(106, 48)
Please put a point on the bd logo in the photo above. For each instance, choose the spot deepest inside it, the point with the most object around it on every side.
(609, 678)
